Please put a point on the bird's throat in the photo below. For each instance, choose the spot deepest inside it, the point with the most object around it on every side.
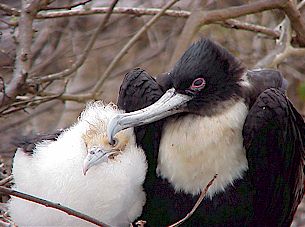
(194, 148)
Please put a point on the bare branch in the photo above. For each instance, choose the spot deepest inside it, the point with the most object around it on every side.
(301, 4)
(117, 10)
(9, 10)
(201, 197)
(82, 98)
(9, 23)
(130, 43)
(235, 24)
(283, 49)
(288, 51)
(296, 20)
(208, 17)
(51, 205)
(83, 57)
(153, 11)
(6, 180)
(24, 56)
(67, 7)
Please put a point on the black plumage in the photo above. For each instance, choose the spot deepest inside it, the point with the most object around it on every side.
(273, 133)
(28, 143)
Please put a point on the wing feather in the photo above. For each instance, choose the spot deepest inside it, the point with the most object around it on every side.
(274, 139)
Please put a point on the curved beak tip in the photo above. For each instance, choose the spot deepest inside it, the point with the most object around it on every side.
(94, 157)
(85, 167)
(170, 103)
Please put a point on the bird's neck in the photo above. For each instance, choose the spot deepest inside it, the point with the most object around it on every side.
(194, 148)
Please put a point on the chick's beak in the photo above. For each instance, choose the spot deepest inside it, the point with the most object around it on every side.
(95, 155)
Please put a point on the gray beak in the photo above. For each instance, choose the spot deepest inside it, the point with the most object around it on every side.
(95, 155)
(170, 103)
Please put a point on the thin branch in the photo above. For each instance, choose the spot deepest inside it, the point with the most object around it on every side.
(117, 10)
(81, 98)
(24, 57)
(82, 59)
(201, 197)
(296, 19)
(130, 43)
(301, 4)
(6, 180)
(27, 118)
(236, 24)
(153, 11)
(9, 23)
(208, 17)
(47, 203)
(283, 48)
(284, 40)
(66, 7)
(288, 51)
(9, 10)
(27, 102)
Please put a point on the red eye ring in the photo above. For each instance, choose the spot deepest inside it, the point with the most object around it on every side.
(198, 83)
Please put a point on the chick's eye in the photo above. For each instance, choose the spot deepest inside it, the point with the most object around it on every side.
(198, 83)
(114, 142)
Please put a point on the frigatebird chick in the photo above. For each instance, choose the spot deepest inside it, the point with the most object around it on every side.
(82, 171)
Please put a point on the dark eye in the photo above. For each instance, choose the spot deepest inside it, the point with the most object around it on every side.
(198, 83)
(114, 142)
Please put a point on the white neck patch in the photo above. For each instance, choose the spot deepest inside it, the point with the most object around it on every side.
(194, 148)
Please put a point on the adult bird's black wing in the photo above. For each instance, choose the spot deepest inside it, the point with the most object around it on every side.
(28, 143)
(274, 137)
(139, 90)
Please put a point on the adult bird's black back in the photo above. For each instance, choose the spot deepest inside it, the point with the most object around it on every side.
(210, 115)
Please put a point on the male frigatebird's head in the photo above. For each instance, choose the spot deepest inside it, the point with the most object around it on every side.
(205, 80)
(208, 74)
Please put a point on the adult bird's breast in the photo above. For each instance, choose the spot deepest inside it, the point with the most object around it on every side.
(194, 148)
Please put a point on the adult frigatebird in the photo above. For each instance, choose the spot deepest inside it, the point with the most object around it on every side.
(213, 116)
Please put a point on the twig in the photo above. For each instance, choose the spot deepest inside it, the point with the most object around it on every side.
(52, 205)
(23, 57)
(82, 98)
(208, 17)
(130, 43)
(9, 23)
(236, 24)
(117, 10)
(6, 180)
(9, 10)
(301, 4)
(21, 105)
(66, 7)
(288, 51)
(153, 11)
(201, 197)
(283, 49)
(296, 20)
(140, 223)
(82, 59)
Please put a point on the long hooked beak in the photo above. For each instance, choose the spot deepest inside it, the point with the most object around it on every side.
(95, 155)
(170, 103)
